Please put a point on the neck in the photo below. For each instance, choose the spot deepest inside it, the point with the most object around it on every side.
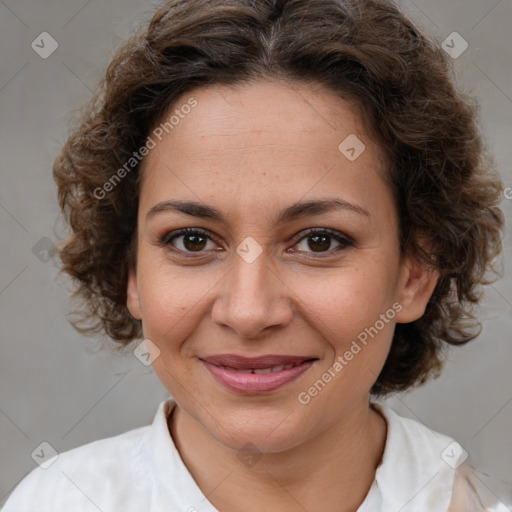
(332, 471)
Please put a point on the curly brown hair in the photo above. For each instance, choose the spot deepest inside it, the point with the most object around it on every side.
(445, 185)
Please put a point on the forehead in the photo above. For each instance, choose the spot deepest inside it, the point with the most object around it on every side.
(261, 140)
(273, 107)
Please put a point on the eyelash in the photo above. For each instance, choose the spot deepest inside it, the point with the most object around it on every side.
(165, 240)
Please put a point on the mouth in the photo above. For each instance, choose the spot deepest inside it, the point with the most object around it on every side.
(256, 375)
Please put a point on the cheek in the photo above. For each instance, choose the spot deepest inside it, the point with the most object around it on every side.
(172, 307)
(353, 313)
(172, 301)
(348, 302)
(355, 317)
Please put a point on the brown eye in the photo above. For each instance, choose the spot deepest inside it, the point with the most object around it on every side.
(194, 242)
(321, 241)
(189, 240)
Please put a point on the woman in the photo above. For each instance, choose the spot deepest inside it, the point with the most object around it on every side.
(289, 201)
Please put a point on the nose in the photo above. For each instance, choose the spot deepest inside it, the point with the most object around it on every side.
(252, 298)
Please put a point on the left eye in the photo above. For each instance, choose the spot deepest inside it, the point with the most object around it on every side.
(318, 241)
(321, 240)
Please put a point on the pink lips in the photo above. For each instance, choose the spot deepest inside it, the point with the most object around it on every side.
(255, 375)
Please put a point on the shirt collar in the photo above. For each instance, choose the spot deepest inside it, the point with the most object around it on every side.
(173, 482)
(412, 474)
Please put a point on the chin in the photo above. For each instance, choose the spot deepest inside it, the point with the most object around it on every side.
(271, 432)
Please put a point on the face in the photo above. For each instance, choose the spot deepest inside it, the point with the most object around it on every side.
(290, 255)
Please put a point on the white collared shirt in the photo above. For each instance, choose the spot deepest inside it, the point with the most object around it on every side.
(141, 471)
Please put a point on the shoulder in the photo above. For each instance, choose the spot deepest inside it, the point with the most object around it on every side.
(413, 442)
(86, 477)
(418, 466)
(422, 469)
(476, 491)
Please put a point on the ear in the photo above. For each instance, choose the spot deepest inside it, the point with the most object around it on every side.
(132, 294)
(416, 287)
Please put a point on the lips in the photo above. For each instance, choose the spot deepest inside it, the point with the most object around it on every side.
(267, 362)
(256, 375)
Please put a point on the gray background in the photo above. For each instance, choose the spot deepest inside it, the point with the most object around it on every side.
(55, 385)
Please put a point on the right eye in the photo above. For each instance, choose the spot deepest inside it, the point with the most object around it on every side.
(188, 240)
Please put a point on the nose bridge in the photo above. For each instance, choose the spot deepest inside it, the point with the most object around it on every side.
(252, 297)
(251, 279)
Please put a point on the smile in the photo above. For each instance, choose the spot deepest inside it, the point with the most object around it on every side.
(270, 369)
(256, 375)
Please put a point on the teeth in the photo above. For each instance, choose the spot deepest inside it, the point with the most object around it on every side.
(262, 370)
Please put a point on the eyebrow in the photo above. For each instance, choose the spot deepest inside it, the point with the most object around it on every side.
(293, 212)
